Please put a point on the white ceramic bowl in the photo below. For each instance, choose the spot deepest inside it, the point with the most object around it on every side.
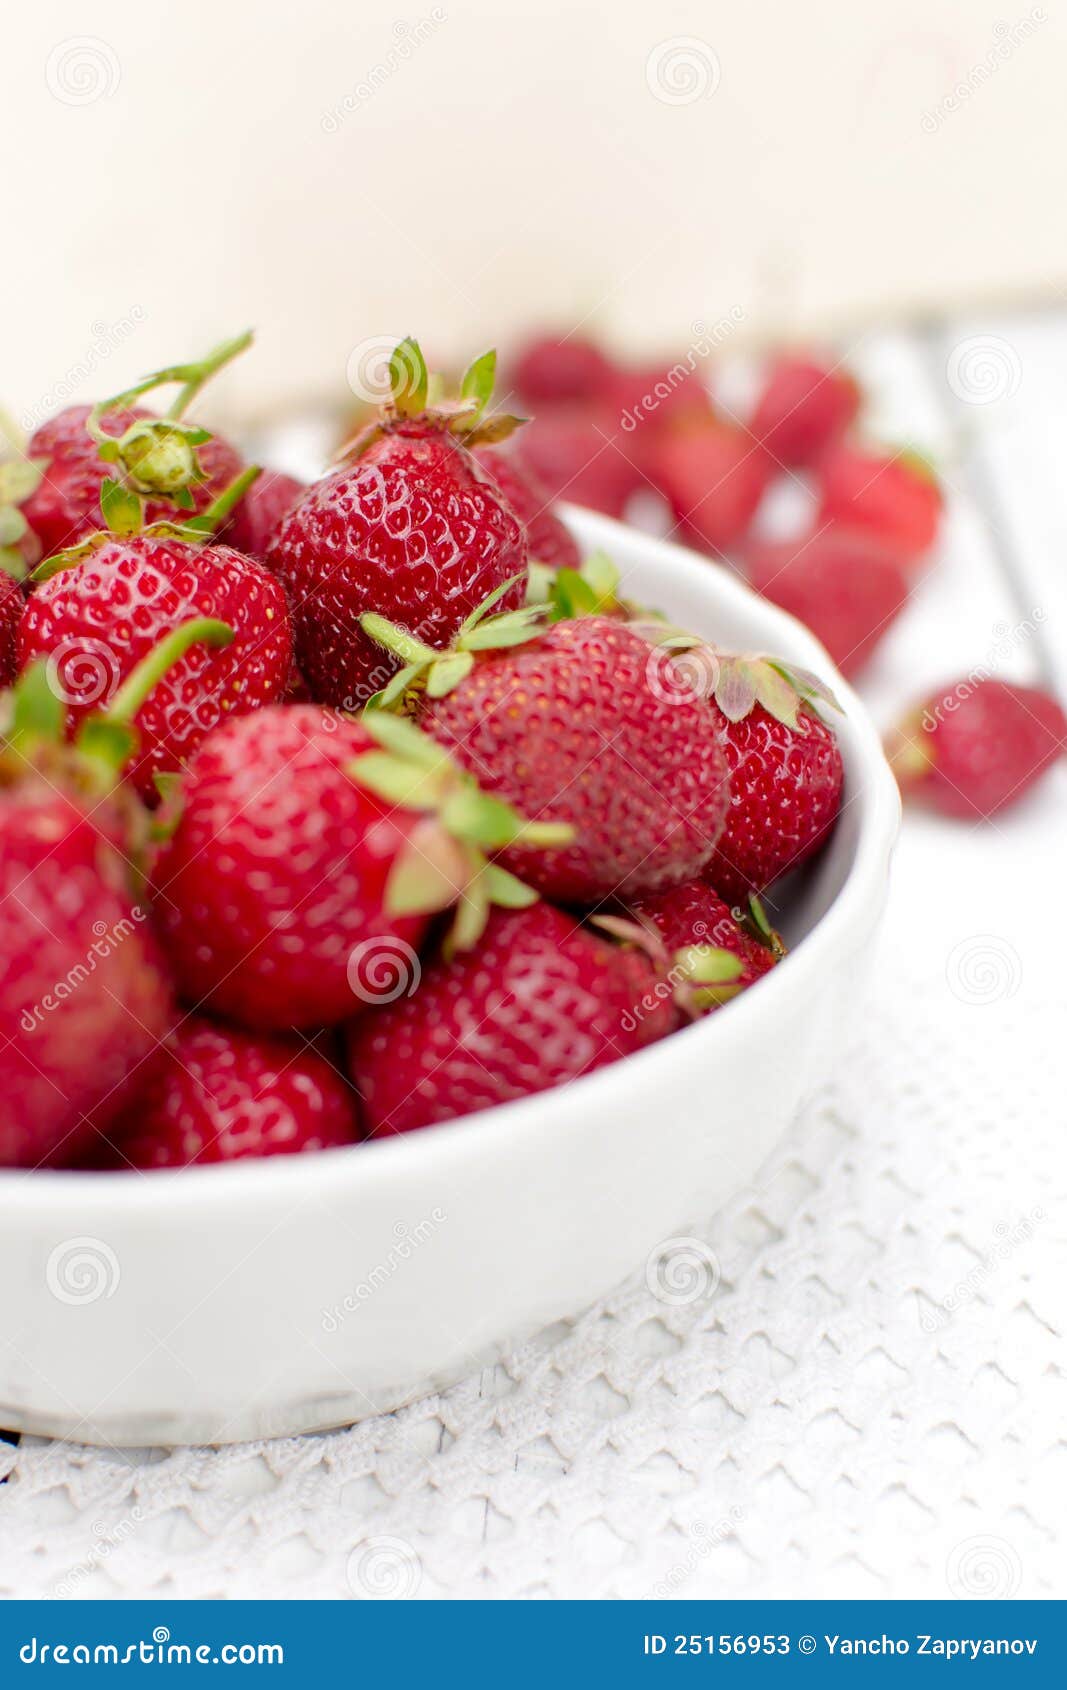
(217, 1304)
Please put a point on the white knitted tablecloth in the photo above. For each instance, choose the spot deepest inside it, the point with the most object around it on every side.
(871, 1401)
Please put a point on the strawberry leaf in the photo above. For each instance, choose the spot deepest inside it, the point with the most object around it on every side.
(120, 508)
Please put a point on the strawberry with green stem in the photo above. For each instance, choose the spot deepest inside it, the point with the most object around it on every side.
(102, 607)
(409, 525)
(119, 457)
(310, 844)
(85, 997)
(570, 719)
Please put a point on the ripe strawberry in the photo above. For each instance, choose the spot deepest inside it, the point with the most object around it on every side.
(586, 723)
(846, 584)
(649, 396)
(219, 1094)
(579, 451)
(896, 497)
(409, 525)
(95, 620)
(786, 773)
(554, 367)
(11, 602)
(271, 496)
(536, 1003)
(693, 915)
(803, 407)
(713, 477)
(976, 747)
(549, 542)
(166, 461)
(84, 997)
(306, 863)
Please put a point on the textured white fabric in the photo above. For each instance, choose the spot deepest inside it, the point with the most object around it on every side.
(862, 1390)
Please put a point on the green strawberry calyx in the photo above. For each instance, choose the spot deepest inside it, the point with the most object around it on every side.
(34, 727)
(417, 396)
(425, 669)
(701, 976)
(448, 858)
(156, 457)
(19, 477)
(739, 681)
(125, 518)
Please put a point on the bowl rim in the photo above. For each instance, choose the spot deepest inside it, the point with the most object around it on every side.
(38, 1191)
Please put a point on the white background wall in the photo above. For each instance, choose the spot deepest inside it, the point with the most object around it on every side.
(176, 170)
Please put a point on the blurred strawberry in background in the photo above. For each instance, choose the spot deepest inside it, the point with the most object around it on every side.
(844, 583)
(805, 404)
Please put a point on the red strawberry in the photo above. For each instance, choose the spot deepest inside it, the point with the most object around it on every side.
(271, 496)
(647, 396)
(713, 477)
(549, 542)
(536, 1003)
(219, 1095)
(894, 496)
(163, 459)
(11, 602)
(84, 998)
(300, 877)
(95, 620)
(786, 773)
(846, 584)
(588, 724)
(580, 452)
(803, 407)
(554, 367)
(692, 915)
(410, 526)
(978, 746)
